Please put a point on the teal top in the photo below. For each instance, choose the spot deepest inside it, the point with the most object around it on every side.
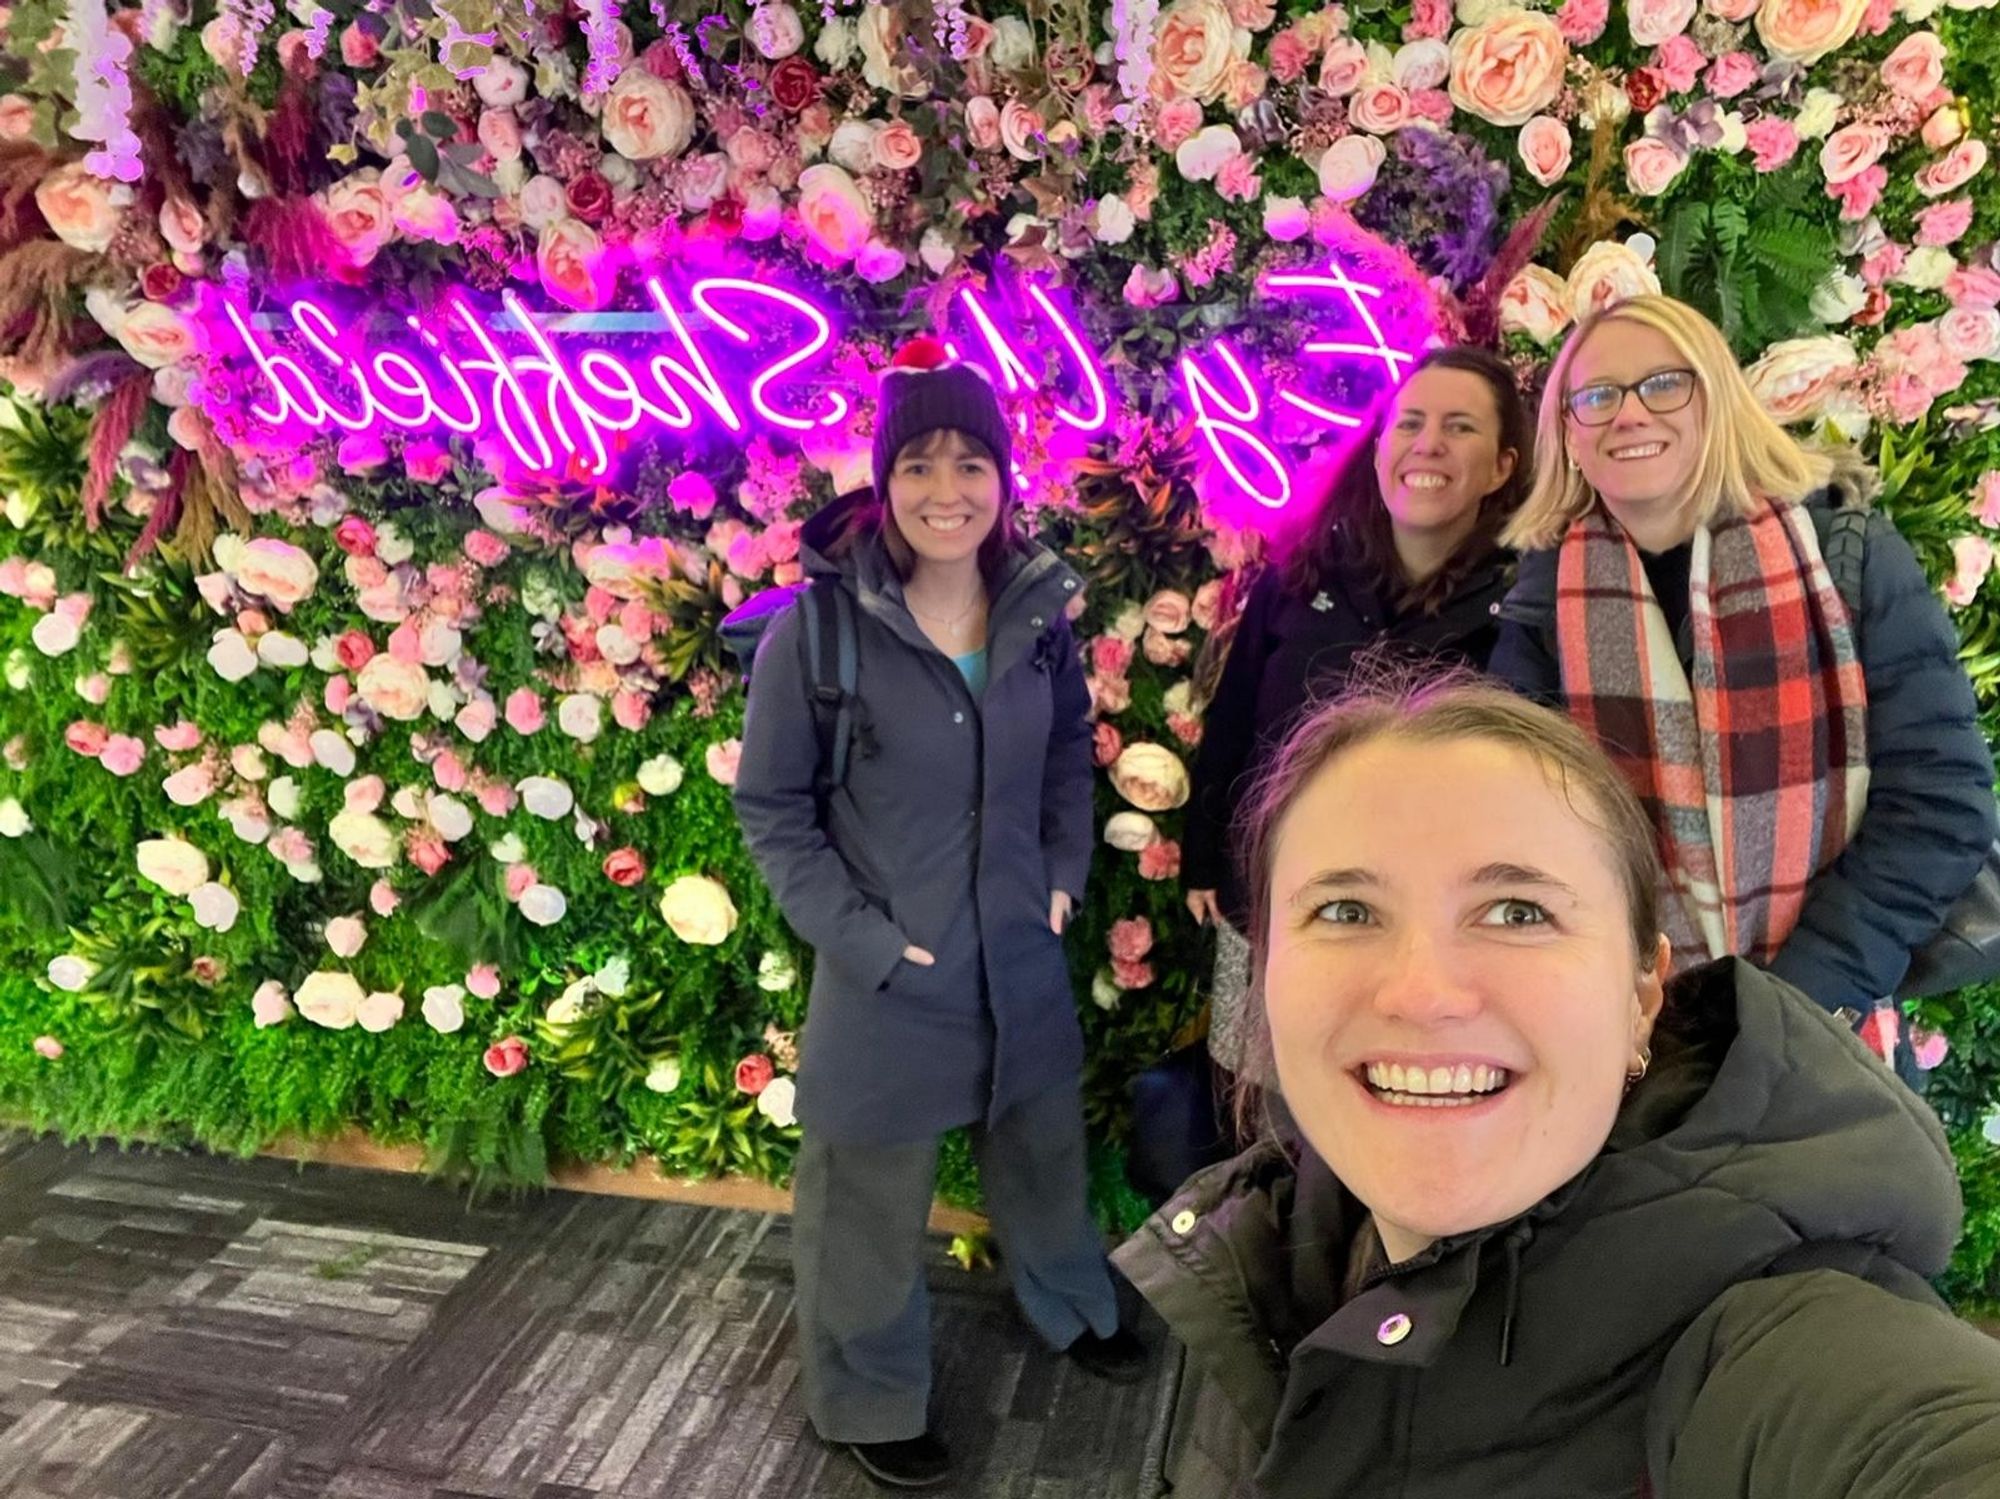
(972, 666)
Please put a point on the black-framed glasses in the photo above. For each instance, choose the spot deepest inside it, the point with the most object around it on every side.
(1660, 392)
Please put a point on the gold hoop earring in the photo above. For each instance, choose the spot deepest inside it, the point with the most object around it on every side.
(1637, 1074)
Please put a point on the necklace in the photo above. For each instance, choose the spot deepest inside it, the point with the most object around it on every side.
(950, 624)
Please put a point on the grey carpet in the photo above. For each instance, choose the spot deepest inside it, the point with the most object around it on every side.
(183, 1327)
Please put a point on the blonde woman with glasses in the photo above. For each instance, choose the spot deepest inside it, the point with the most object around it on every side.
(1763, 659)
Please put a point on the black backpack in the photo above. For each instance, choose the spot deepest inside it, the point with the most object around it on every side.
(829, 643)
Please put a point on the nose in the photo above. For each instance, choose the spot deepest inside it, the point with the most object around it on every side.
(1429, 438)
(1631, 411)
(1425, 984)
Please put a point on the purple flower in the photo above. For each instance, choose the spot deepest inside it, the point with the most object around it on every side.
(1441, 198)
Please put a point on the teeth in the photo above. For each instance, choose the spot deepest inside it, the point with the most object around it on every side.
(1437, 1087)
(1644, 450)
(1425, 481)
(945, 523)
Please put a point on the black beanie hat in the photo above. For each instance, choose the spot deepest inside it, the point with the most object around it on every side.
(923, 391)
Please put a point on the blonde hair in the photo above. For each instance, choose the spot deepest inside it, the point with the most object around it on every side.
(1746, 458)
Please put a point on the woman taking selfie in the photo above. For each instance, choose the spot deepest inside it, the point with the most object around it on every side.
(933, 876)
(1403, 553)
(1543, 1225)
(1775, 679)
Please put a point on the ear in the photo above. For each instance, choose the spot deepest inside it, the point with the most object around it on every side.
(1650, 993)
(1504, 467)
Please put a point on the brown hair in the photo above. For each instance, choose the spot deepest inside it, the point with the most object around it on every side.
(1351, 523)
(873, 517)
(1392, 702)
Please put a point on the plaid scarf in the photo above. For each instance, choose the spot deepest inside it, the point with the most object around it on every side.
(1756, 771)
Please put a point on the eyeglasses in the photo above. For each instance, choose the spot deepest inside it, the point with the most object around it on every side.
(1660, 392)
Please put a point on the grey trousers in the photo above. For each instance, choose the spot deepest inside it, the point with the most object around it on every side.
(858, 1249)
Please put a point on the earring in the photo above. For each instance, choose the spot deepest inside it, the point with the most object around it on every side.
(1637, 1073)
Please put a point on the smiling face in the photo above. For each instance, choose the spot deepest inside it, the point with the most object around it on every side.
(1642, 463)
(1454, 1001)
(1440, 453)
(944, 496)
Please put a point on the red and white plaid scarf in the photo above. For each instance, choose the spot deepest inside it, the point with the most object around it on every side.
(1756, 771)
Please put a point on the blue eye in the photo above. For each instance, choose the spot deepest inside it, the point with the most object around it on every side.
(1516, 913)
(1344, 913)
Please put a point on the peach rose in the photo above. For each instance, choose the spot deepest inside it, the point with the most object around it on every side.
(500, 134)
(1169, 612)
(82, 210)
(1544, 145)
(1509, 68)
(1796, 377)
(646, 117)
(1969, 333)
(982, 123)
(1653, 22)
(569, 255)
(270, 568)
(1021, 131)
(1804, 31)
(1915, 70)
(17, 118)
(896, 147)
(1151, 777)
(1194, 49)
(698, 910)
(1852, 150)
(155, 335)
(393, 688)
(834, 211)
(357, 210)
(182, 226)
(1536, 302)
(1943, 128)
(1348, 168)
(1651, 165)
(330, 999)
(1344, 67)
(1608, 272)
(1380, 108)
(1951, 172)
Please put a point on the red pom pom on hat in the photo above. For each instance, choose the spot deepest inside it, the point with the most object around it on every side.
(921, 353)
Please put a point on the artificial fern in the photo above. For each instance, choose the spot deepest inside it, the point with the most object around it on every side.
(1752, 267)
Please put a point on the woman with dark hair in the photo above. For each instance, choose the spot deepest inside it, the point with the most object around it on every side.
(933, 877)
(1403, 557)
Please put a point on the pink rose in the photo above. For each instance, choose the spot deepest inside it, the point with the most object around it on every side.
(1654, 21)
(1679, 61)
(500, 134)
(569, 256)
(1175, 123)
(1164, 650)
(1732, 73)
(394, 688)
(83, 210)
(1859, 195)
(723, 759)
(1544, 145)
(1021, 131)
(833, 211)
(1131, 975)
(1651, 165)
(1968, 333)
(1804, 31)
(1193, 48)
(647, 118)
(1972, 560)
(1944, 223)
(1428, 18)
(1772, 142)
(1344, 67)
(1582, 22)
(506, 1056)
(754, 1073)
(87, 739)
(1973, 286)
(630, 711)
(982, 123)
(1964, 162)
(1852, 150)
(1110, 694)
(1943, 128)
(1915, 70)
(1130, 939)
(1106, 743)
(123, 755)
(1160, 861)
(896, 147)
(1380, 108)
(1110, 656)
(524, 711)
(359, 47)
(625, 867)
(482, 981)
(17, 118)
(1508, 69)
(359, 216)
(179, 736)
(354, 650)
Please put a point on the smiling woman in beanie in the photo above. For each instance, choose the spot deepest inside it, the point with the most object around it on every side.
(933, 877)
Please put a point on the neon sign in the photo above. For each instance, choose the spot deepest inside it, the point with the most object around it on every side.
(727, 354)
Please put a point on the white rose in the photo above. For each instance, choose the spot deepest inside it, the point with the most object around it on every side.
(364, 838)
(776, 1103)
(660, 776)
(215, 906)
(1839, 297)
(1795, 377)
(379, 1011)
(581, 716)
(509, 849)
(1608, 272)
(1104, 991)
(615, 977)
(1013, 46)
(1927, 268)
(776, 973)
(775, 30)
(698, 910)
(1536, 303)
(853, 146)
(835, 44)
(450, 816)
(544, 905)
(230, 656)
(333, 752)
(1818, 115)
(1112, 221)
(444, 1008)
(283, 797)
(56, 634)
(277, 649)
(70, 973)
(1348, 168)
(1129, 832)
(502, 82)
(174, 864)
(329, 999)
(14, 819)
(346, 935)
(546, 797)
(664, 1076)
(1202, 154)
(1130, 622)
(1151, 777)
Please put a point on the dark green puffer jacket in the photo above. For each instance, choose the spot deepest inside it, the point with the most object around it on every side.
(1729, 1301)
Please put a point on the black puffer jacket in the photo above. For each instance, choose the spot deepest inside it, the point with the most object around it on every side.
(1728, 1303)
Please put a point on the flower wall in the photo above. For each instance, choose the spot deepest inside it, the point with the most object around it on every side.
(360, 776)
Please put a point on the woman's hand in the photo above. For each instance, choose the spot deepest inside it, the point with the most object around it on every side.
(1204, 907)
(915, 954)
(1058, 911)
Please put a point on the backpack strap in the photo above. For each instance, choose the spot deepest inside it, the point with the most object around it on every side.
(1844, 545)
(832, 669)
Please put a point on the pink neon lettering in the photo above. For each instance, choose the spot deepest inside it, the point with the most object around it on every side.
(837, 407)
(637, 406)
(471, 423)
(1201, 392)
(506, 388)
(1392, 358)
(699, 378)
(1100, 412)
(305, 402)
(304, 316)
(562, 389)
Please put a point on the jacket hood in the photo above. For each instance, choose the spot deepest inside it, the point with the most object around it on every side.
(1766, 1138)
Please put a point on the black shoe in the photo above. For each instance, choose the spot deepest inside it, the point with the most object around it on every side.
(1120, 1358)
(913, 1463)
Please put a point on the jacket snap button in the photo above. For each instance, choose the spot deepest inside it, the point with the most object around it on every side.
(1183, 1222)
(1069, 585)
(1492, 608)
(958, 718)
(1393, 1330)
(1037, 622)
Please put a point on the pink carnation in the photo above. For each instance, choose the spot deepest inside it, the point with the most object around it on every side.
(1859, 194)
(1160, 861)
(87, 738)
(524, 711)
(1679, 61)
(1732, 73)
(1289, 56)
(1131, 975)
(506, 1056)
(1130, 940)
(1428, 18)
(1110, 656)
(1582, 22)
(1176, 121)
(754, 1074)
(483, 981)
(484, 548)
(1106, 744)
(1772, 142)
(1944, 223)
(1973, 286)
(122, 754)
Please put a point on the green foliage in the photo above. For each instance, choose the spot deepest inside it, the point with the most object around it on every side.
(1750, 255)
